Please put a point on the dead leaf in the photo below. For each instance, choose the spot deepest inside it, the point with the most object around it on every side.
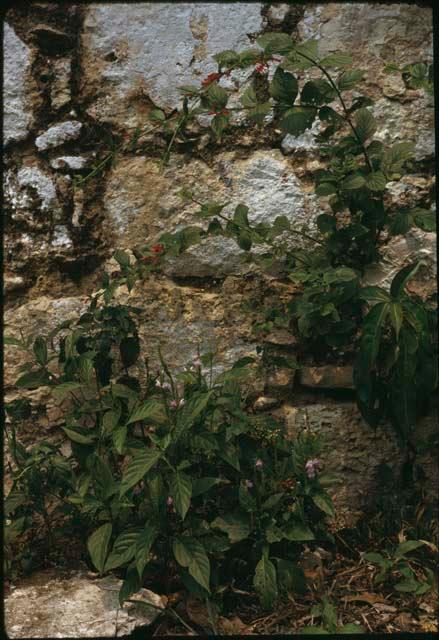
(197, 613)
(233, 626)
(370, 598)
(384, 607)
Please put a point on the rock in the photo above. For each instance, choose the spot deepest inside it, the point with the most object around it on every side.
(52, 604)
(30, 195)
(305, 142)
(280, 380)
(281, 337)
(278, 12)
(130, 53)
(327, 377)
(58, 135)
(352, 452)
(17, 117)
(60, 94)
(74, 163)
(12, 283)
(265, 403)
(51, 40)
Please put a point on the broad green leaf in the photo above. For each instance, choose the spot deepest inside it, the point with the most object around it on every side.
(265, 582)
(97, 545)
(425, 219)
(86, 369)
(190, 553)
(372, 329)
(394, 158)
(337, 59)
(249, 56)
(325, 189)
(150, 410)
(129, 351)
(244, 240)
(123, 550)
(217, 97)
(122, 257)
(145, 540)
(235, 525)
(375, 558)
(40, 350)
(130, 585)
(374, 293)
(13, 341)
(324, 502)
(351, 627)
(376, 181)
(227, 58)
(407, 546)
(396, 316)
(64, 388)
(402, 277)
(284, 87)
(219, 124)
(290, 576)
(354, 181)
(409, 585)
(348, 79)
(204, 484)
(272, 501)
(138, 467)
(365, 124)
(33, 379)
(317, 92)
(110, 420)
(296, 120)
(181, 490)
(298, 532)
(119, 438)
(275, 42)
(79, 437)
(303, 56)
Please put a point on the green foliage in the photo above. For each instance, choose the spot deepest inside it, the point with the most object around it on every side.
(327, 612)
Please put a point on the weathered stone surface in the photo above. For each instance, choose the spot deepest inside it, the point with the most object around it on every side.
(142, 53)
(30, 196)
(74, 163)
(12, 283)
(265, 403)
(51, 604)
(60, 93)
(16, 65)
(401, 251)
(281, 337)
(280, 380)
(352, 453)
(327, 377)
(58, 135)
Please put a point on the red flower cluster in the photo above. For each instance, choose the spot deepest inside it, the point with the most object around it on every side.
(224, 112)
(212, 77)
(157, 249)
(261, 67)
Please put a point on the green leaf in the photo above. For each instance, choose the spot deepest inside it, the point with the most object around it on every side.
(407, 546)
(365, 124)
(190, 553)
(123, 550)
(396, 316)
(86, 369)
(317, 92)
(138, 467)
(129, 351)
(324, 502)
(275, 42)
(375, 558)
(119, 438)
(122, 257)
(348, 79)
(284, 87)
(325, 189)
(145, 540)
(265, 582)
(351, 627)
(298, 532)
(272, 501)
(249, 56)
(409, 585)
(376, 181)
(296, 120)
(290, 576)
(33, 379)
(394, 158)
(150, 410)
(244, 240)
(131, 584)
(79, 437)
(202, 485)
(217, 97)
(402, 277)
(354, 181)
(227, 58)
(65, 387)
(219, 124)
(110, 420)
(325, 223)
(40, 350)
(303, 56)
(374, 293)
(181, 490)
(337, 59)
(235, 525)
(313, 631)
(97, 545)
(425, 219)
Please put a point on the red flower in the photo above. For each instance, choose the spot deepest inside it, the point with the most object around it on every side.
(261, 67)
(157, 248)
(212, 77)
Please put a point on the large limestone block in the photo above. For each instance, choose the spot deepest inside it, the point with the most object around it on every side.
(16, 66)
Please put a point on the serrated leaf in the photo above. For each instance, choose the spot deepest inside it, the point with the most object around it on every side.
(303, 56)
(296, 120)
(284, 87)
(97, 545)
(317, 92)
(376, 181)
(226, 58)
(138, 467)
(275, 42)
(190, 553)
(337, 59)
(351, 627)
(348, 79)
(217, 97)
(265, 582)
(365, 124)
(180, 486)
(355, 181)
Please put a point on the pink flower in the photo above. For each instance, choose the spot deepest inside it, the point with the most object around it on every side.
(197, 362)
(312, 466)
(173, 404)
(249, 484)
(169, 501)
(259, 463)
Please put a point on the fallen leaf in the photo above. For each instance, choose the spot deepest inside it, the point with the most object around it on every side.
(371, 598)
(384, 607)
(233, 626)
(197, 613)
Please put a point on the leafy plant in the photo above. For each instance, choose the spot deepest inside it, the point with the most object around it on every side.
(397, 569)
(169, 474)
(329, 621)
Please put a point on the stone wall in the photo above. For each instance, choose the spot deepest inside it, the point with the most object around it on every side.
(77, 74)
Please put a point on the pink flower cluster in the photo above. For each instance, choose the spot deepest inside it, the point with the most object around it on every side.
(312, 467)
